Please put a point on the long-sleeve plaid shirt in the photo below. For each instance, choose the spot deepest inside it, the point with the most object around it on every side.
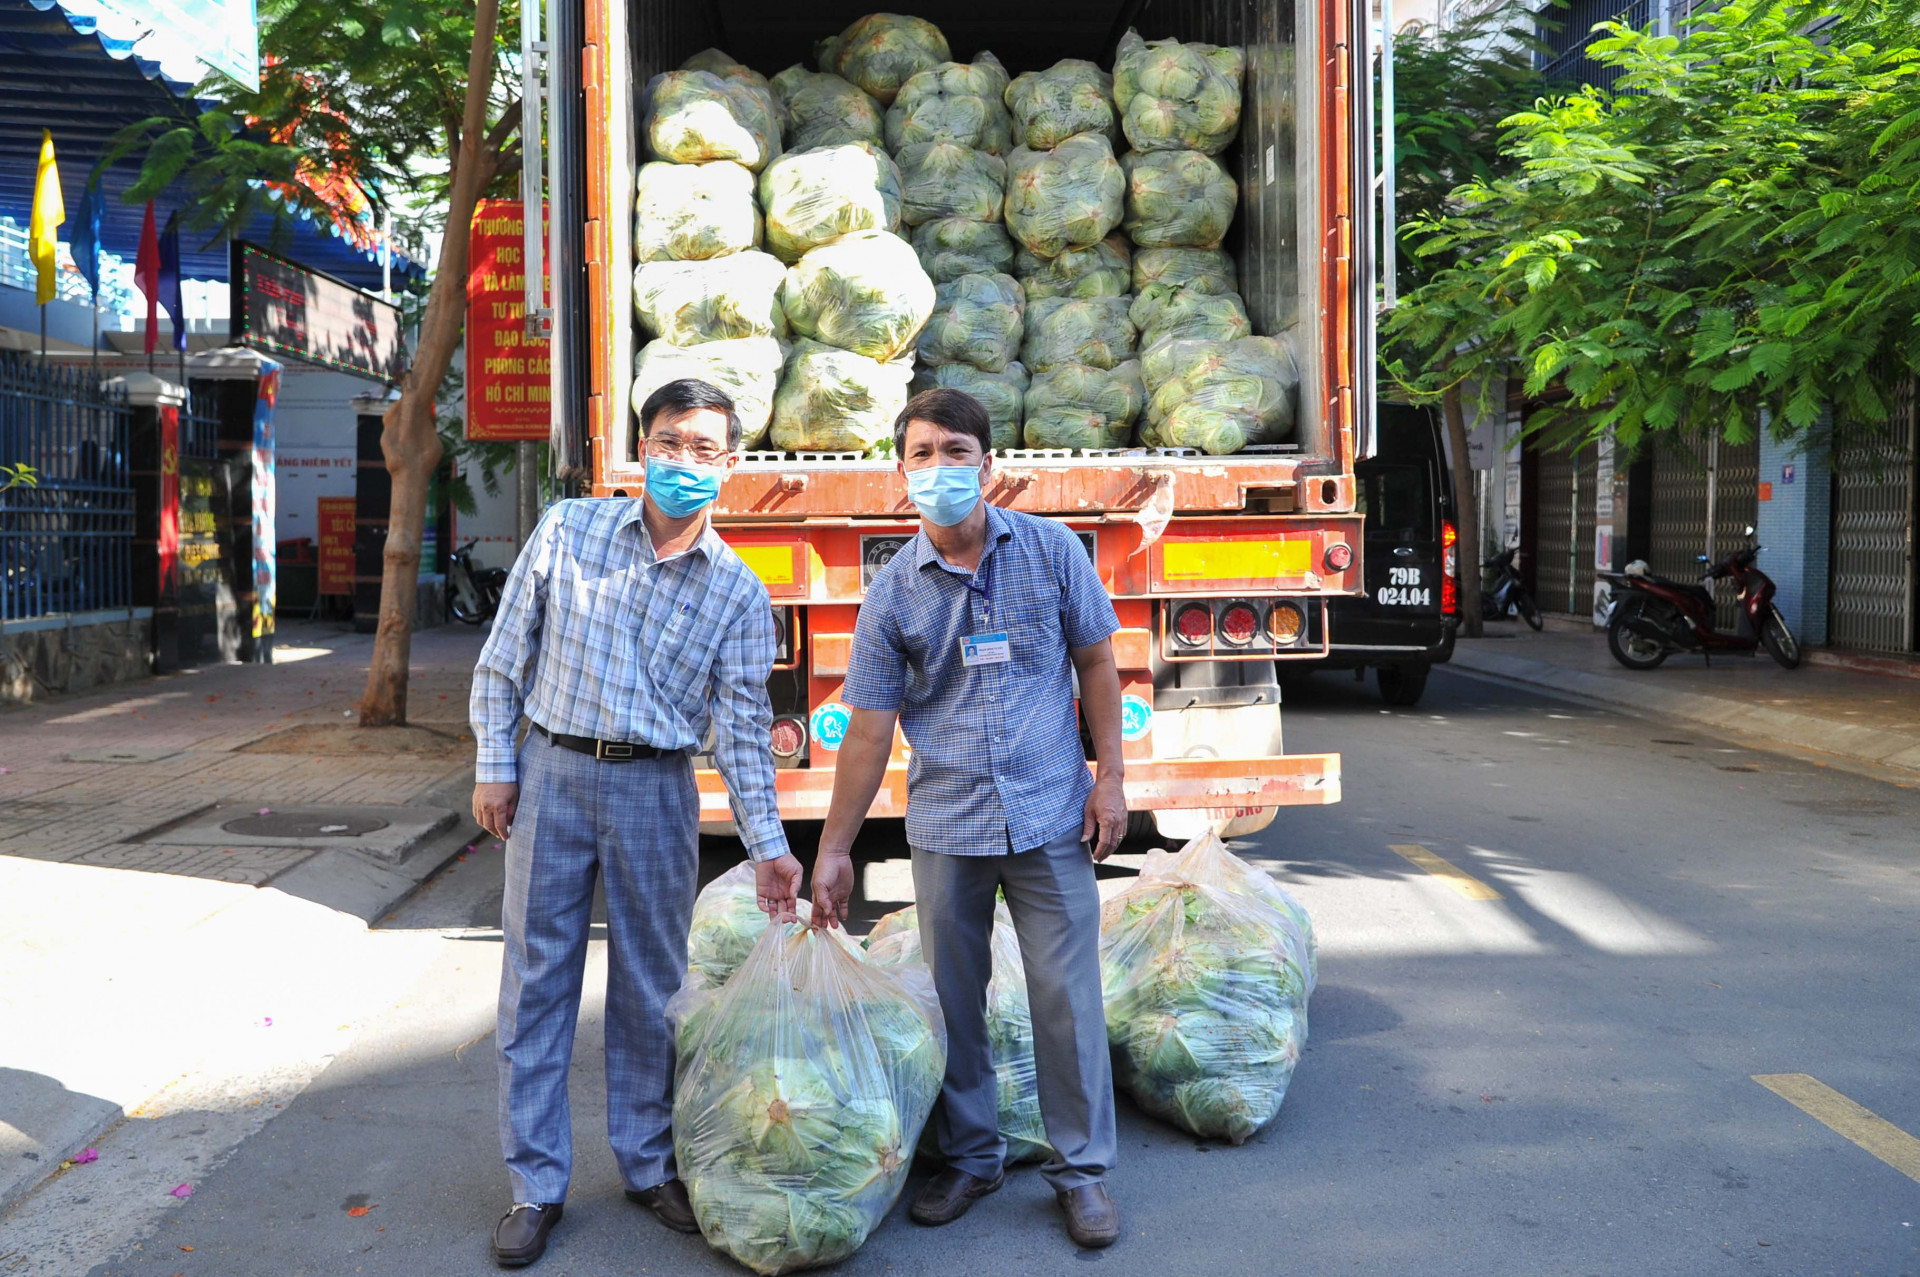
(596, 637)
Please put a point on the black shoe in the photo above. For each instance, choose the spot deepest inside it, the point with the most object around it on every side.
(950, 1194)
(521, 1235)
(669, 1202)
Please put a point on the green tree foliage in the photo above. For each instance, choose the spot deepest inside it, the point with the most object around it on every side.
(1733, 231)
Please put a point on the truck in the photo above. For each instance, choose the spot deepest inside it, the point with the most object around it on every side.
(1220, 567)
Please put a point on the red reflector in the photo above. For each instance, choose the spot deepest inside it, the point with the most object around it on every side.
(786, 737)
(1193, 624)
(1339, 557)
(1238, 624)
(1449, 569)
(1449, 535)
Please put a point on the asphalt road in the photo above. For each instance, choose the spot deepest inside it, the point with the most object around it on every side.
(1544, 1067)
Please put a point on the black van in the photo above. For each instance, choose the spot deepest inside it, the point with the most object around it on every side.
(1405, 624)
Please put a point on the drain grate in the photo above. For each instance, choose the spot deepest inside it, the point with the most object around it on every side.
(305, 824)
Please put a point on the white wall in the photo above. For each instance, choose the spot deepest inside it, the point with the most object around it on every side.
(313, 439)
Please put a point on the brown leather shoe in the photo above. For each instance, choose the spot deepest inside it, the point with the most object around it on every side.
(1093, 1220)
(669, 1202)
(950, 1194)
(521, 1235)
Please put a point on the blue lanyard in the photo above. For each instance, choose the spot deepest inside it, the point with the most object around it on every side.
(985, 588)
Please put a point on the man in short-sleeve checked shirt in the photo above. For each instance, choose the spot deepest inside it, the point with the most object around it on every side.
(971, 637)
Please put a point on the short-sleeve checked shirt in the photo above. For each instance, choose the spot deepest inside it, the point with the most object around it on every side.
(997, 761)
(596, 636)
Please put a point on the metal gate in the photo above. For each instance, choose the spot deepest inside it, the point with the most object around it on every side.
(1563, 563)
(1679, 520)
(1871, 599)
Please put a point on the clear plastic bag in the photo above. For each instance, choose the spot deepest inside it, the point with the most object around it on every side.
(1218, 396)
(815, 196)
(1206, 967)
(1163, 313)
(1071, 96)
(722, 64)
(690, 212)
(747, 369)
(882, 51)
(895, 940)
(836, 401)
(1099, 270)
(1003, 394)
(976, 320)
(945, 179)
(818, 108)
(801, 1088)
(957, 102)
(1069, 197)
(687, 303)
(1177, 199)
(692, 117)
(864, 292)
(1206, 269)
(1075, 406)
(1177, 97)
(1077, 330)
(949, 247)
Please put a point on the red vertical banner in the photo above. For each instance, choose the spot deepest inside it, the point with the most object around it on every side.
(508, 376)
(337, 524)
(169, 500)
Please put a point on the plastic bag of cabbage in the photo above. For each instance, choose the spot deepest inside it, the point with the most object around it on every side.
(1099, 270)
(721, 63)
(690, 212)
(1206, 269)
(1163, 313)
(1177, 97)
(1069, 197)
(1077, 330)
(818, 108)
(1003, 394)
(1206, 968)
(727, 923)
(814, 196)
(687, 303)
(1071, 96)
(1074, 406)
(1177, 199)
(945, 179)
(1218, 396)
(695, 116)
(895, 940)
(955, 102)
(748, 369)
(882, 51)
(949, 247)
(864, 292)
(836, 401)
(976, 320)
(801, 1088)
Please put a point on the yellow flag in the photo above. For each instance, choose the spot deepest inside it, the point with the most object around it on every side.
(48, 213)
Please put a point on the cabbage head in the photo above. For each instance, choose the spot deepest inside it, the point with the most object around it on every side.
(817, 108)
(954, 102)
(949, 247)
(1075, 406)
(1077, 330)
(1099, 270)
(945, 179)
(811, 197)
(696, 116)
(1177, 97)
(1177, 199)
(1206, 269)
(1069, 197)
(864, 292)
(976, 320)
(748, 369)
(833, 400)
(1072, 96)
(1219, 396)
(882, 51)
(1161, 313)
(690, 212)
(1003, 394)
(726, 297)
(723, 65)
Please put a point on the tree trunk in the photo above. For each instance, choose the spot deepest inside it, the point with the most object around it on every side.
(408, 439)
(1466, 515)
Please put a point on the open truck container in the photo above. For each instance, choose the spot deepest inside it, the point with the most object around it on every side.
(1218, 566)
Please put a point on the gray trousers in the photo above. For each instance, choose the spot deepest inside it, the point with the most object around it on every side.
(1056, 911)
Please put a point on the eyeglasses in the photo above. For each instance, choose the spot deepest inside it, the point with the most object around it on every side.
(672, 447)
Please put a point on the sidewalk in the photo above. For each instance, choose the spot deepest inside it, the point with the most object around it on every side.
(189, 860)
(1856, 717)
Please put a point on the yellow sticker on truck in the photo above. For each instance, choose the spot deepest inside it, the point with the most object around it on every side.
(1236, 560)
(773, 564)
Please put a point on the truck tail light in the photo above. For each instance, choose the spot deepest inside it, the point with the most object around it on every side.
(1339, 557)
(1449, 568)
(788, 737)
(1285, 624)
(1239, 623)
(1193, 625)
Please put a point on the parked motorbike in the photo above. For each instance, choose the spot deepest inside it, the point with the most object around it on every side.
(473, 593)
(1502, 594)
(1653, 617)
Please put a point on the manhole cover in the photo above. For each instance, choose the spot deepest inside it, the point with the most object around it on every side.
(304, 825)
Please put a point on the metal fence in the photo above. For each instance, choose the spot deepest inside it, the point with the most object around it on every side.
(65, 544)
(1568, 32)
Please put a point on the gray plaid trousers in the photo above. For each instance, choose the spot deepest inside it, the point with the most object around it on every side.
(635, 825)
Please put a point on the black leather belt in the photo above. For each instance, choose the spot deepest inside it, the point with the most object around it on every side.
(607, 751)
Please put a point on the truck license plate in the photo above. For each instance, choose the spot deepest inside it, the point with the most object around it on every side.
(1404, 589)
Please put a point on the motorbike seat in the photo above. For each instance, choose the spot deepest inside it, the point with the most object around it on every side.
(1694, 588)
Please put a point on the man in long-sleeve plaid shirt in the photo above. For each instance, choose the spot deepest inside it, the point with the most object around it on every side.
(625, 630)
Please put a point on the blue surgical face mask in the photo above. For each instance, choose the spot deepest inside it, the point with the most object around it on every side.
(681, 490)
(944, 494)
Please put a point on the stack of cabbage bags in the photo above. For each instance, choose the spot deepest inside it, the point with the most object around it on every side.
(895, 941)
(1206, 968)
(702, 290)
(802, 1086)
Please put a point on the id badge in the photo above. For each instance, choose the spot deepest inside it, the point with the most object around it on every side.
(985, 649)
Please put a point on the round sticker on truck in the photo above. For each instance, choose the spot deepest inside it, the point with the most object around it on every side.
(830, 724)
(1136, 717)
